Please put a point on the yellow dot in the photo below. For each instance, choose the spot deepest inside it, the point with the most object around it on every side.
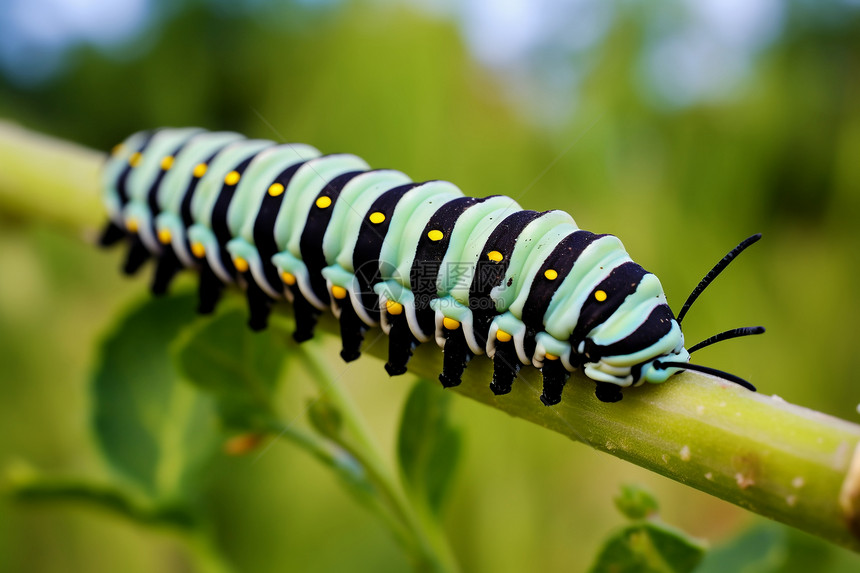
(600, 296)
(275, 189)
(338, 292)
(435, 235)
(551, 274)
(135, 158)
(131, 225)
(240, 264)
(503, 336)
(393, 307)
(323, 202)
(117, 149)
(200, 170)
(198, 249)
(551, 356)
(232, 178)
(377, 218)
(288, 278)
(164, 236)
(450, 323)
(167, 162)
(495, 256)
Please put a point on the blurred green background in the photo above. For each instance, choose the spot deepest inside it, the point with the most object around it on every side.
(680, 126)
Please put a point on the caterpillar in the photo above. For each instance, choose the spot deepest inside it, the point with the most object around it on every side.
(421, 259)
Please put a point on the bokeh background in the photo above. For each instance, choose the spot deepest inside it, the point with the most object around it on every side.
(681, 126)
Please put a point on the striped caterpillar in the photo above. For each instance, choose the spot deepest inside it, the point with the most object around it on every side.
(420, 259)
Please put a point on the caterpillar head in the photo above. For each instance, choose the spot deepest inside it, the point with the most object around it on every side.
(626, 330)
(637, 339)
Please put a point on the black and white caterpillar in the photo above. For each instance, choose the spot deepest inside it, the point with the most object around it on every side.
(420, 259)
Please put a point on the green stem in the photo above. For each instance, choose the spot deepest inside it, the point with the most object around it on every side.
(434, 553)
(323, 451)
(27, 486)
(783, 461)
(328, 382)
(49, 180)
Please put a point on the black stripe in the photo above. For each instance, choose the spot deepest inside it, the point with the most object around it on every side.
(122, 180)
(656, 326)
(152, 196)
(490, 274)
(621, 283)
(365, 257)
(218, 219)
(185, 208)
(429, 254)
(264, 224)
(311, 241)
(561, 260)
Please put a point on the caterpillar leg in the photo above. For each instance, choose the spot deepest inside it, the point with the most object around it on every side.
(608, 392)
(305, 314)
(509, 343)
(259, 304)
(209, 290)
(506, 365)
(401, 343)
(554, 377)
(111, 235)
(351, 330)
(166, 269)
(456, 355)
(137, 255)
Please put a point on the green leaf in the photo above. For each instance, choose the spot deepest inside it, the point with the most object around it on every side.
(347, 469)
(649, 547)
(241, 368)
(636, 502)
(153, 428)
(768, 547)
(762, 548)
(428, 446)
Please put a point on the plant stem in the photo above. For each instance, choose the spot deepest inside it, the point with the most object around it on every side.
(794, 465)
(323, 375)
(321, 449)
(26, 485)
(49, 180)
(434, 553)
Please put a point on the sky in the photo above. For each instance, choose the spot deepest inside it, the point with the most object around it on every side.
(693, 51)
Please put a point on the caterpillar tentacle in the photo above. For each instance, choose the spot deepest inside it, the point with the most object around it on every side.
(475, 275)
